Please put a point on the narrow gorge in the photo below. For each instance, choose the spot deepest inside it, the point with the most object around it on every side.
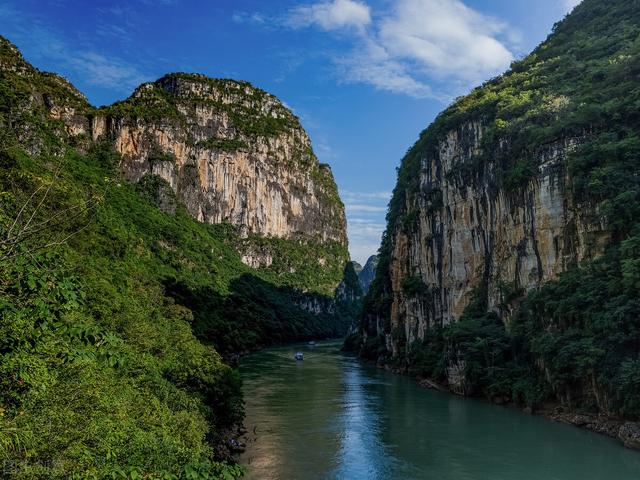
(181, 298)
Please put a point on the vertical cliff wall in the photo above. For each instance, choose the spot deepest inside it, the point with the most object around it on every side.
(461, 235)
(495, 198)
(231, 152)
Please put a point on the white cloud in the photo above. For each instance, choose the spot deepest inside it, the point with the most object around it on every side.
(360, 208)
(363, 226)
(372, 64)
(333, 15)
(412, 44)
(362, 251)
(350, 195)
(364, 238)
(365, 221)
(445, 38)
(106, 72)
(250, 18)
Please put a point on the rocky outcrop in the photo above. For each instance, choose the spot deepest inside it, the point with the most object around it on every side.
(228, 152)
(486, 204)
(629, 434)
(468, 235)
(231, 152)
(367, 273)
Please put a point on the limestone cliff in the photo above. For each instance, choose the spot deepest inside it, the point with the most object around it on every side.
(510, 267)
(216, 151)
(468, 235)
(231, 153)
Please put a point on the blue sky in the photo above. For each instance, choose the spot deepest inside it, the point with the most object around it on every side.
(364, 76)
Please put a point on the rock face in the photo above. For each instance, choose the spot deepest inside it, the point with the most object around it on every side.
(231, 152)
(367, 273)
(476, 213)
(629, 434)
(472, 235)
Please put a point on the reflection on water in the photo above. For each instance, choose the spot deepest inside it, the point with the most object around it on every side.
(331, 417)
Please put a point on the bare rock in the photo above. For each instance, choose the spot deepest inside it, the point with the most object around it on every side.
(629, 433)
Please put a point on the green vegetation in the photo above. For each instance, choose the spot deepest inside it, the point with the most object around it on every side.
(252, 112)
(350, 280)
(156, 155)
(309, 265)
(114, 313)
(414, 286)
(152, 103)
(101, 372)
(575, 340)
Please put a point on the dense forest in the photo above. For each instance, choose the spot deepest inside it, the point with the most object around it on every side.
(574, 340)
(114, 313)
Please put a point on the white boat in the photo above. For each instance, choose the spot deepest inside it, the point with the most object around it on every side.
(299, 356)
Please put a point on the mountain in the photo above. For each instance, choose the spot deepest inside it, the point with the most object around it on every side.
(510, 263)
(368, 273)
(139, 244)
(231, 153)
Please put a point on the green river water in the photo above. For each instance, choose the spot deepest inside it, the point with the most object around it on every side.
(333, 417)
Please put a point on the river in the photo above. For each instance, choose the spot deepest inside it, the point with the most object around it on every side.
(333, 417)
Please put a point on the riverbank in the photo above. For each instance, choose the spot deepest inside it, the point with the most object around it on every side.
(627, 432)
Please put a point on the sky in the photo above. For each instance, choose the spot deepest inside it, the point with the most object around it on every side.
(364, 76)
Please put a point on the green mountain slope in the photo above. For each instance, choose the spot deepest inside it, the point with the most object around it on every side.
(112, 312)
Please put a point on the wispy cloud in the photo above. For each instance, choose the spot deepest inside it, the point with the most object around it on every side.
(155, 3)
(87, 64)
(360, 208)
(365, 227)
(365, 221)
(372, 64)
(254, 18)
(348, 195)
(107, 72)
(445, 38)
(333, 15)
(364, 238)
(409, 46)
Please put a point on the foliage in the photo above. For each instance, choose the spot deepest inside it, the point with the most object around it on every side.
(252, 112)
(414, 286)
(225, 144)
(350, 280)
(110, 339)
